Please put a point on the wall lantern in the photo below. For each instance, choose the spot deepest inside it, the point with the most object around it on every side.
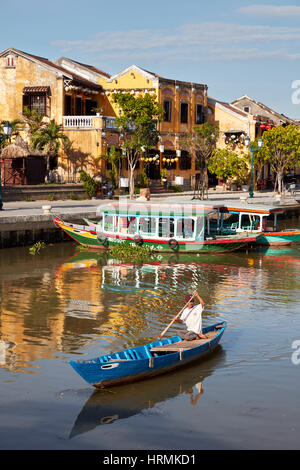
(7, 128)
(162, 148)
(178, 153)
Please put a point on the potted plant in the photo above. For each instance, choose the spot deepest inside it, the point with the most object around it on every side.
(163, 176)
(98, 111)
(144, 185)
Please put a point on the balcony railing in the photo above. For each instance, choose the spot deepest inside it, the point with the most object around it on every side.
(86, 122)
(78, 121)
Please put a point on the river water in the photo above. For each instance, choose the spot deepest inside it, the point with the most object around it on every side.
(63, 304)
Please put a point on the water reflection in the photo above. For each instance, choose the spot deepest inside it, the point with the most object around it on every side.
(107, 406)
(64, 301)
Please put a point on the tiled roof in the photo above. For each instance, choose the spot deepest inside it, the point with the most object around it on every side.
(91, 67)
(76, 78)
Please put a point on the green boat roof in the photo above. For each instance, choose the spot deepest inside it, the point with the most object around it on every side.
(179, 209)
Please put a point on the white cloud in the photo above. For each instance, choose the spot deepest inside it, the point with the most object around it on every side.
(281, 11)
(194, 42)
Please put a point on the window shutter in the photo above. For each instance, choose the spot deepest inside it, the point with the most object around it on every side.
(26, 101)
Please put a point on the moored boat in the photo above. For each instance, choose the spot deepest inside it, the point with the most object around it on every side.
(261, 220)
(164, 227)
(148, 360)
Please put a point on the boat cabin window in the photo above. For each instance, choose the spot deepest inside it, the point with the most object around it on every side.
(166, 227)
(127, 225)
(270, 222)
(147, 226)
(250, 222)
(185, 228)
(110, 223)
(200, 228)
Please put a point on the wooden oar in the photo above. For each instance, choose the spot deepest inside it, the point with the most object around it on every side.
(175, 318)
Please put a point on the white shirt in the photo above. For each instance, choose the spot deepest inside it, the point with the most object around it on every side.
(192, 317)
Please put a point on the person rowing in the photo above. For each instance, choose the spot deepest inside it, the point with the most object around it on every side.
(192, 318)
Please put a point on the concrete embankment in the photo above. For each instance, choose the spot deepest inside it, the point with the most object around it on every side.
(24, 224)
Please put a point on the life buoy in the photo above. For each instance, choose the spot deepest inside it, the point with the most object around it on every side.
(173, 244)
(138, 239)
(102, 239)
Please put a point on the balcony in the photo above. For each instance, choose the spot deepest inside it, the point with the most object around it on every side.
(88, 122)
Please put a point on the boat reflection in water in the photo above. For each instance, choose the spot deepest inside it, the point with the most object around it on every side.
(107, 406)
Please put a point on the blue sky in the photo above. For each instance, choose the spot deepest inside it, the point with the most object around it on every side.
(235, 47)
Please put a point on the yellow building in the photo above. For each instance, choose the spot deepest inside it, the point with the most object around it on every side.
(71, 99)
(184, 105)
(241, 118)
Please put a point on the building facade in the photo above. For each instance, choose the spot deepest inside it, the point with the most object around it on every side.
(69, 98)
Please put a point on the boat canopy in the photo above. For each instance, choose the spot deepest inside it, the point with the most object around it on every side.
(158, 209)
(251, 208)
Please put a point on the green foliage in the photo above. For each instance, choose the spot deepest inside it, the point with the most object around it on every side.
(131, 253)
(163, 174)
(114, 158)
(36, 248)
(176, 188)
(16, 125)
(89, 184)
(33, 119)
(143, 180)
(228, 165)
(281, 148)
(72, 196)
(202, 141)
(49, 139)
(138, 125)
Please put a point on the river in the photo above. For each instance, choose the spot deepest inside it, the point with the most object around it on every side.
(64, 304)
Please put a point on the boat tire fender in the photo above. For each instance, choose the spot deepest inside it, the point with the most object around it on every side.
(173, 244)
(102, 239)
(138, 239)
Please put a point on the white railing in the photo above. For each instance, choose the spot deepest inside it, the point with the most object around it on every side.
(107, 122)
(78, 121)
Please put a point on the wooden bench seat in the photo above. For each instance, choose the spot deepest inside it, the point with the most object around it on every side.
(184, 344)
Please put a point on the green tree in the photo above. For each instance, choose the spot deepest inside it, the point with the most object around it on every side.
(138, 126)
(50, 139)
(281, 148)
(202, 142)
(16, 125)
(114, 158)
(34, 120)
(228, 165)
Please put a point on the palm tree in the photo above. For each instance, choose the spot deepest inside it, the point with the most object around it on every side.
(16, 125)
(49, 139)
(34, 120)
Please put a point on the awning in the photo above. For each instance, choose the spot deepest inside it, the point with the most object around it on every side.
(36, 89)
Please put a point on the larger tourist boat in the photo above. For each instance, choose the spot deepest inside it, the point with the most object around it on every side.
(262, 220)
(165, 227)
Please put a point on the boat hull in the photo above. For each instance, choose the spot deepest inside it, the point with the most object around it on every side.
(107, 371)
(88, 237)
(280, 238)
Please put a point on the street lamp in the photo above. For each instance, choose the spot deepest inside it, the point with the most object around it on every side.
(7, 129)
(253, 148)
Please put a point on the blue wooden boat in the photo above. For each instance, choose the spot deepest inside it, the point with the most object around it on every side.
(148, 360)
